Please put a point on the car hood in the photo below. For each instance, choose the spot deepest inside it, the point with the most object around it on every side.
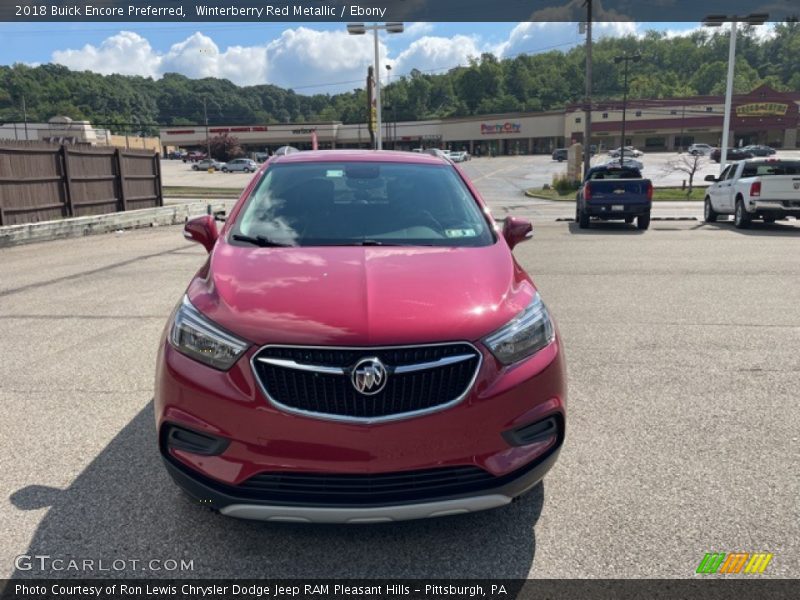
(360, 295)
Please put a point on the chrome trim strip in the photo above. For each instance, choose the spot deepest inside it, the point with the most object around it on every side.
(447, 360)
(290, 364)
(366, 420)
(366, 515)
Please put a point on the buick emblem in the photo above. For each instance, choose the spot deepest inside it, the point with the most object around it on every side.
(797, 185)
(369, 376)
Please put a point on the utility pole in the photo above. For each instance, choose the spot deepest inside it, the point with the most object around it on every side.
(205, 118)
(626, 58)
(587, 127)
(25, 116)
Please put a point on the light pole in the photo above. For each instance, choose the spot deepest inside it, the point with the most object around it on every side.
(626, 58)
(361, 29)
(587, 119)
(388, 104)
(717, 21)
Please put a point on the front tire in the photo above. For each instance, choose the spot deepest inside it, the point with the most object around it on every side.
(741, 218)
(643, 221)
(709, 214)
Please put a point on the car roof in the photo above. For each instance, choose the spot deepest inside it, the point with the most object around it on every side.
(385, 156)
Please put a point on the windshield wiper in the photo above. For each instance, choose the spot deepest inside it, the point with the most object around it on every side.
(364, 243)
(259, 240)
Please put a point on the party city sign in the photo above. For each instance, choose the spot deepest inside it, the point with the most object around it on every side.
(507, 127)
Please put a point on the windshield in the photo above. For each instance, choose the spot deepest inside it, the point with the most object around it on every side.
(773, 167)
(349, 203)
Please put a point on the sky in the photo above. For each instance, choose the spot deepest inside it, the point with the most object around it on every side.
(306, 57)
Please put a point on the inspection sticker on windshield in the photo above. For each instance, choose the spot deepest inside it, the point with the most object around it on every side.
(460, 233)
(334, 173)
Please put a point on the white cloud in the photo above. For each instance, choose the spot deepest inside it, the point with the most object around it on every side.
(532, 37)
(306, 57)
(126, 53)
(429, 53)
(318, 60)
(198, 56)
(418, 28)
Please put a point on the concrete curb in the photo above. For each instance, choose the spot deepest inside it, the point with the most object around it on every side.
(28, 233)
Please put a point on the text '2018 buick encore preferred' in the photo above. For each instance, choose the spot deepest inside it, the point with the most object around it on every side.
(360, 346)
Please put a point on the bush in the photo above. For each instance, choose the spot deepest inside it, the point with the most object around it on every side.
(225, 147)
(563, 184)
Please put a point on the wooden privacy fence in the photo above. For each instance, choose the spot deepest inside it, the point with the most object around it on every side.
(42, 182)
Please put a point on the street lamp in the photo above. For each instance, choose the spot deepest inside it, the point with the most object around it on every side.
(389, 105)
(361, 29)
(717, 21)
(626, 58)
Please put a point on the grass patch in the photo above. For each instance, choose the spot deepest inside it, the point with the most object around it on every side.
(659, 194)
(186, 191)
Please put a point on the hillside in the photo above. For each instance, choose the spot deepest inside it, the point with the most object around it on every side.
(678, 66)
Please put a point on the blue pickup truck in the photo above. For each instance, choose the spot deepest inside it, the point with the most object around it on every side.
(614, 192)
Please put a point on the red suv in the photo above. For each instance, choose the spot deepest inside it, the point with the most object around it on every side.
(359, 346)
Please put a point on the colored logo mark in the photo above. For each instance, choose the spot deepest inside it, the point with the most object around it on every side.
(734, 562)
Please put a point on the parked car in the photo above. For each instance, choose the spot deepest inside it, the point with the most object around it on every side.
(700, 149)
(177, 155)
(732, 154)
(626, 162)
(283, 150)
(437, 152)
(260, 157)
(208, 163)
(759, 150)
(614, 192)
(333, 360)
(560, 154)
(629, 151)
(240, 164)
(194, 156)
(460, 156)
(767, 189)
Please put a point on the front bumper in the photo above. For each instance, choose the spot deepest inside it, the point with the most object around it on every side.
(213, 495)
(264, 440)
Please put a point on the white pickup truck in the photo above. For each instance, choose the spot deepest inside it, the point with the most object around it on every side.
(759, 188)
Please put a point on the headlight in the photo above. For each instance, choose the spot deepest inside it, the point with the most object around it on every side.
(198, 338)
(523, 336)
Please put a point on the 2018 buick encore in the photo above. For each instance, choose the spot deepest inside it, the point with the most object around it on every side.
(360, 346)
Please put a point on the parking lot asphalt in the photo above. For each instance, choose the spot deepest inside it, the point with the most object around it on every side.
(683, 351)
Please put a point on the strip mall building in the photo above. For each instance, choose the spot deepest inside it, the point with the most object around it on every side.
(764, 116)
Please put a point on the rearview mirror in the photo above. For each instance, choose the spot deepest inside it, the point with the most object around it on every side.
(202, 230)
(711, 178)
(516, 230)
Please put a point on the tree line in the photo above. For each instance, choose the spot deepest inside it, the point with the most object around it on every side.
(670, 67)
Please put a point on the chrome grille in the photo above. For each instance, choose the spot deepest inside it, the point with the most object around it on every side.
(318, 380)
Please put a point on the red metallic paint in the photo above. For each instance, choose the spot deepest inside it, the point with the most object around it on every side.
(358, 296)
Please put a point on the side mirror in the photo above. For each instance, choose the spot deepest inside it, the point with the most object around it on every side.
(711, 178)
(516, 230)
(202, 230)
